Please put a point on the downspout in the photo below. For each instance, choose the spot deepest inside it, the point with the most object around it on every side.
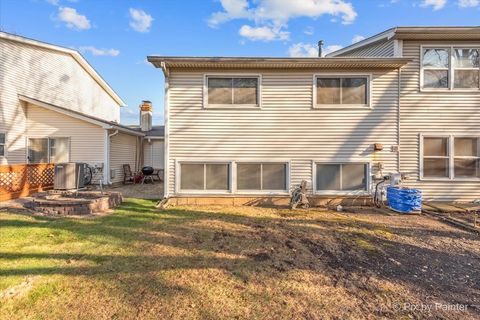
(107, 162)
(399, 117)
(166, 154)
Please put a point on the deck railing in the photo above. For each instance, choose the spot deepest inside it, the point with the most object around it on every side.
(20, 180)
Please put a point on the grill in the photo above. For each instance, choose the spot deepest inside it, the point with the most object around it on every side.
(147, 171)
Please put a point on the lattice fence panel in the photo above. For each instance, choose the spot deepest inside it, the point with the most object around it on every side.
(22, 179)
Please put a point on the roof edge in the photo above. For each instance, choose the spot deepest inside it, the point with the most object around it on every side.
(385, 35)
(79, 115)
(76, 55)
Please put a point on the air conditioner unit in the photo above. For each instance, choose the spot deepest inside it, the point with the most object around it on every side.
(69, 175)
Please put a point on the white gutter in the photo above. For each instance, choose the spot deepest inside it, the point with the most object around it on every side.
(106, 176)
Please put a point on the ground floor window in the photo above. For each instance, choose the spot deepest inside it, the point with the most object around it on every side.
(450, 157)
(3, 144)
(44, 150)
(341, 176)
(262, 176)
(205, 176)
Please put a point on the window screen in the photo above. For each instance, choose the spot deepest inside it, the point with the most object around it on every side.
(38, 150)
(232, 91)
(3, 141)
(261, 176)
(341, 176)
(59, 150)
(435, 157)
(466, 158)
(349, 91)
(204, 176)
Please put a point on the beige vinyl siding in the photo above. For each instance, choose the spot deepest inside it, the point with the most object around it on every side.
(384, 48)
(123, 150)
(153, 152)
(434, 112)
(49, 76)
(86, 139)
(285, 128)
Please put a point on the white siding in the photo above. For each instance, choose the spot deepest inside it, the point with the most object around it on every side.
(285, 128)
(86, 139)
(123, 150)
(49, 76)
(383, 48)
(153, 152)
(434, 112)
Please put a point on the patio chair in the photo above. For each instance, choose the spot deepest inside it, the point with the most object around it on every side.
(128, 175)
(159, 174)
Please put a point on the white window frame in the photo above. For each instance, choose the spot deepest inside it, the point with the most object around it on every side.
(258, 105)
(48, 146)
(451, 68)
(451, 156)
(178, 176)
(5, 151)
(233, 177)
(368, 179)
(265, 191)
(316, 76)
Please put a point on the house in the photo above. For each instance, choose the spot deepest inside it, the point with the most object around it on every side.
(56, 108)
(406, 100)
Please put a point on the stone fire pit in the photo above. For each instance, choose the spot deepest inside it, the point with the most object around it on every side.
(64, 203)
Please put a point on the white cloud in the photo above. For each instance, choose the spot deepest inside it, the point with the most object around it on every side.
(468, 3)
(309, 50)
(276, 13)
(357, 38)
(73, 19)
(140, 20)
(331, 48)
(99, 52)
(435, 4)
(303, 50)
(263, 33)
(309, 31)
(53, 2)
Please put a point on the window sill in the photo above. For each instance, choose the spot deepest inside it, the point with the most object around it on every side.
(426, 90)
(341, 193)
(263, 192)
(203, 192)
(342, 106)
(232, 106)
(449, 180)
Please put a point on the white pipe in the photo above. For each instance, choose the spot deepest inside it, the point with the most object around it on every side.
(107, 164)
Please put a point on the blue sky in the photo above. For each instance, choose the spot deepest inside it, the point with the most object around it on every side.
(116, 36)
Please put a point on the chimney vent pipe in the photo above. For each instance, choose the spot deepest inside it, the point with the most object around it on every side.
(320, 47)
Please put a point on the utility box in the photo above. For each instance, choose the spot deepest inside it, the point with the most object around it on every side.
(69, 175)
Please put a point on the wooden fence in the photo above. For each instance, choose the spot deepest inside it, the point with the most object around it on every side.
(20, 180)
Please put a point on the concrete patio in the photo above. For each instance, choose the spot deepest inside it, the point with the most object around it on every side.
(142, 191)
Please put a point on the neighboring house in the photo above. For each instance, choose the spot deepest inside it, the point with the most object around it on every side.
(405, 100)
(54, 107)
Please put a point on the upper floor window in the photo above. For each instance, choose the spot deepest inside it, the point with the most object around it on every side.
(225, 91)
(3, 144)
(450, 68)
(341, 91)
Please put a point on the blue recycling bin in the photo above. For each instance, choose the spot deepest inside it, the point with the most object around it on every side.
(403, 199)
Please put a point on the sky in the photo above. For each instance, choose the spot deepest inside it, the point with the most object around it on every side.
(115, 36)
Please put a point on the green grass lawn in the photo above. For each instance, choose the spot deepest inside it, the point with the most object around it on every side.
(199, 263)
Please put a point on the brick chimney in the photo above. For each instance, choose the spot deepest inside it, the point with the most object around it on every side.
(146, 115)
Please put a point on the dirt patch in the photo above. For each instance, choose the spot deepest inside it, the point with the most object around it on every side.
(19, 290)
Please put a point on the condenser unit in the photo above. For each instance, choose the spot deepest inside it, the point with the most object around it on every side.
(69, 176)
